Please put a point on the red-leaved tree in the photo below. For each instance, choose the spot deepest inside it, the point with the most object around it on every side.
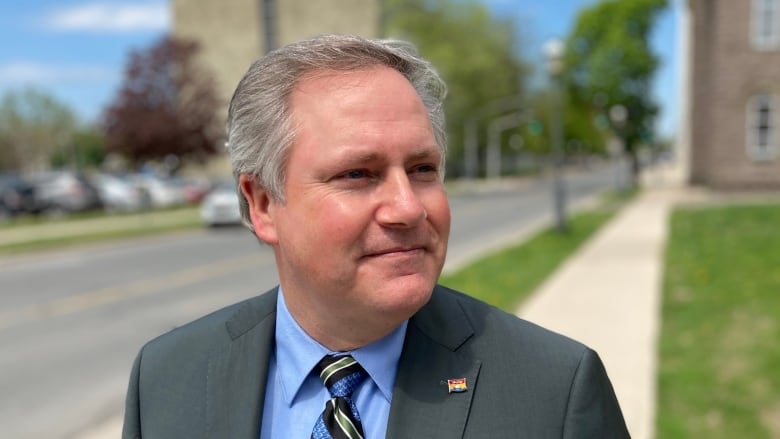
(167, 106)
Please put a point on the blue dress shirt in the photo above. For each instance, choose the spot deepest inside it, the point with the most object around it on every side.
(295, 397)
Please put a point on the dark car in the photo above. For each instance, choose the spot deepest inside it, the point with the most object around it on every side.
(17, 197)
(63, 192)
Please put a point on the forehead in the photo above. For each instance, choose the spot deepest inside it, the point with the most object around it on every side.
(347, 86)
(376, 94)
(359, 110)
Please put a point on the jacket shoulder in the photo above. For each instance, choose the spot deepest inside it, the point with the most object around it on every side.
(218, 327)
(495, 329)
(530, 379)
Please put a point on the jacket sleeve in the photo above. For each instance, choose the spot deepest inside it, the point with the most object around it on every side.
(593, 410)
(132, 423)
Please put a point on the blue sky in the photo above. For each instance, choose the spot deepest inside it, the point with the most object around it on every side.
(76, 49)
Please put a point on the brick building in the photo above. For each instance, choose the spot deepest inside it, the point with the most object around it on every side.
(734, 93)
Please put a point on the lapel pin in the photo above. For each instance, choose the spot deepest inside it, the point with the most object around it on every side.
(457, 385)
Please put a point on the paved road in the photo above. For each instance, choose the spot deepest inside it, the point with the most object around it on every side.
(71, 321)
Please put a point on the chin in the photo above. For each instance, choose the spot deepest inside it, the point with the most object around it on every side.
(407, 294)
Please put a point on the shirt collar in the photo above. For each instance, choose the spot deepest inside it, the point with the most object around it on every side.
(299, 353)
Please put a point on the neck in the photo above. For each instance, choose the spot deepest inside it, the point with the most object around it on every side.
(340, 335)
(339, 332)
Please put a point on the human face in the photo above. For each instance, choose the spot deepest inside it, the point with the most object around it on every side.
(361, 238)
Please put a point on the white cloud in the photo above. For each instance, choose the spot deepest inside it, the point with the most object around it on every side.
(110, 17)
(29, 73)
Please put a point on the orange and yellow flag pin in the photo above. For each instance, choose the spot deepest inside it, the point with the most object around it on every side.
(457, 385)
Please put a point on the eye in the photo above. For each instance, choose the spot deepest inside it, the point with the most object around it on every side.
(425, 168)
(354, 174)
(426, 172)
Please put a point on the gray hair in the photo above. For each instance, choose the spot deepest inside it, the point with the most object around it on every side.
(260, 130)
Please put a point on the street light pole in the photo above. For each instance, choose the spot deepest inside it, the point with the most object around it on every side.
(618, 114)
(554, 51)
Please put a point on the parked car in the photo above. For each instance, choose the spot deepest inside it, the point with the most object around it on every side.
(160, 192)
(194, 189)
(118, 193)
(64, 192)
(17, 197)
(220, 206)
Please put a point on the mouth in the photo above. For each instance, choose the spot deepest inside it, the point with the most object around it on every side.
(397, 251)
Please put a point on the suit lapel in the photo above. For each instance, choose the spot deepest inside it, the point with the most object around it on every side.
(422, 406)
(235, 385)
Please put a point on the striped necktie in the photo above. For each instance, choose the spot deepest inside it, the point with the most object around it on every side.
(340, 419)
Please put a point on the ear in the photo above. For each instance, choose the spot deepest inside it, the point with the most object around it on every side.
(260, 209)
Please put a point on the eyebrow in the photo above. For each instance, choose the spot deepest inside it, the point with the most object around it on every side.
(426, 152)
(417, 154)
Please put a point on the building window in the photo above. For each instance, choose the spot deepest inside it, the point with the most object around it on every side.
(762, 128)
(766, 24)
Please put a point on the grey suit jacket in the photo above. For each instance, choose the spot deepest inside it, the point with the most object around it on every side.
(207, 379)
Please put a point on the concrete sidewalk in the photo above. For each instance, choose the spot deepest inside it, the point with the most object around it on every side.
(608, 295)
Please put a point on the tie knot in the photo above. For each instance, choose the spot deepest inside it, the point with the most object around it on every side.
(341, 375)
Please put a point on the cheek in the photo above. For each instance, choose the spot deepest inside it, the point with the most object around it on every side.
(339, 221)
(438, 210)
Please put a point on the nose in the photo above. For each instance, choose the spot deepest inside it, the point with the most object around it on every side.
(400, 206)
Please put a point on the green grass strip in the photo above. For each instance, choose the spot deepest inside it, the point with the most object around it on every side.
(719, 371)
(507, 277)
(59, 233)
(65, 241)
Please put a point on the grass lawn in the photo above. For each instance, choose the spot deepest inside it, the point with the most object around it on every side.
(505, 278)
(719, 370)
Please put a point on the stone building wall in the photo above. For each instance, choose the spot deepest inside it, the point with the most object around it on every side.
(726, 71)
(300, 19)
(228, 34)
(233, 33)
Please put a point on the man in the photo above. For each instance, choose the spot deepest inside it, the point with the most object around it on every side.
(337, 145)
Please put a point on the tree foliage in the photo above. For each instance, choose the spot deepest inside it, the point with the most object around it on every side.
(609, 63)
(475, 52)
(166, 107)
(86, 149)
(33, 126)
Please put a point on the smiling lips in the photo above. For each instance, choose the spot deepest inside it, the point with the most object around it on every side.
(396, 251)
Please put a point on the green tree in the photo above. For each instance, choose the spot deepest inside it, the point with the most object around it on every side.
(475, 52)
(86, 149)
(609, 68)
(582, 135)
(166, 107)
(33, 126)
(536, 131)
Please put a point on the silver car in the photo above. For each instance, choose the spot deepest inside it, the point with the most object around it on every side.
(220, 206)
